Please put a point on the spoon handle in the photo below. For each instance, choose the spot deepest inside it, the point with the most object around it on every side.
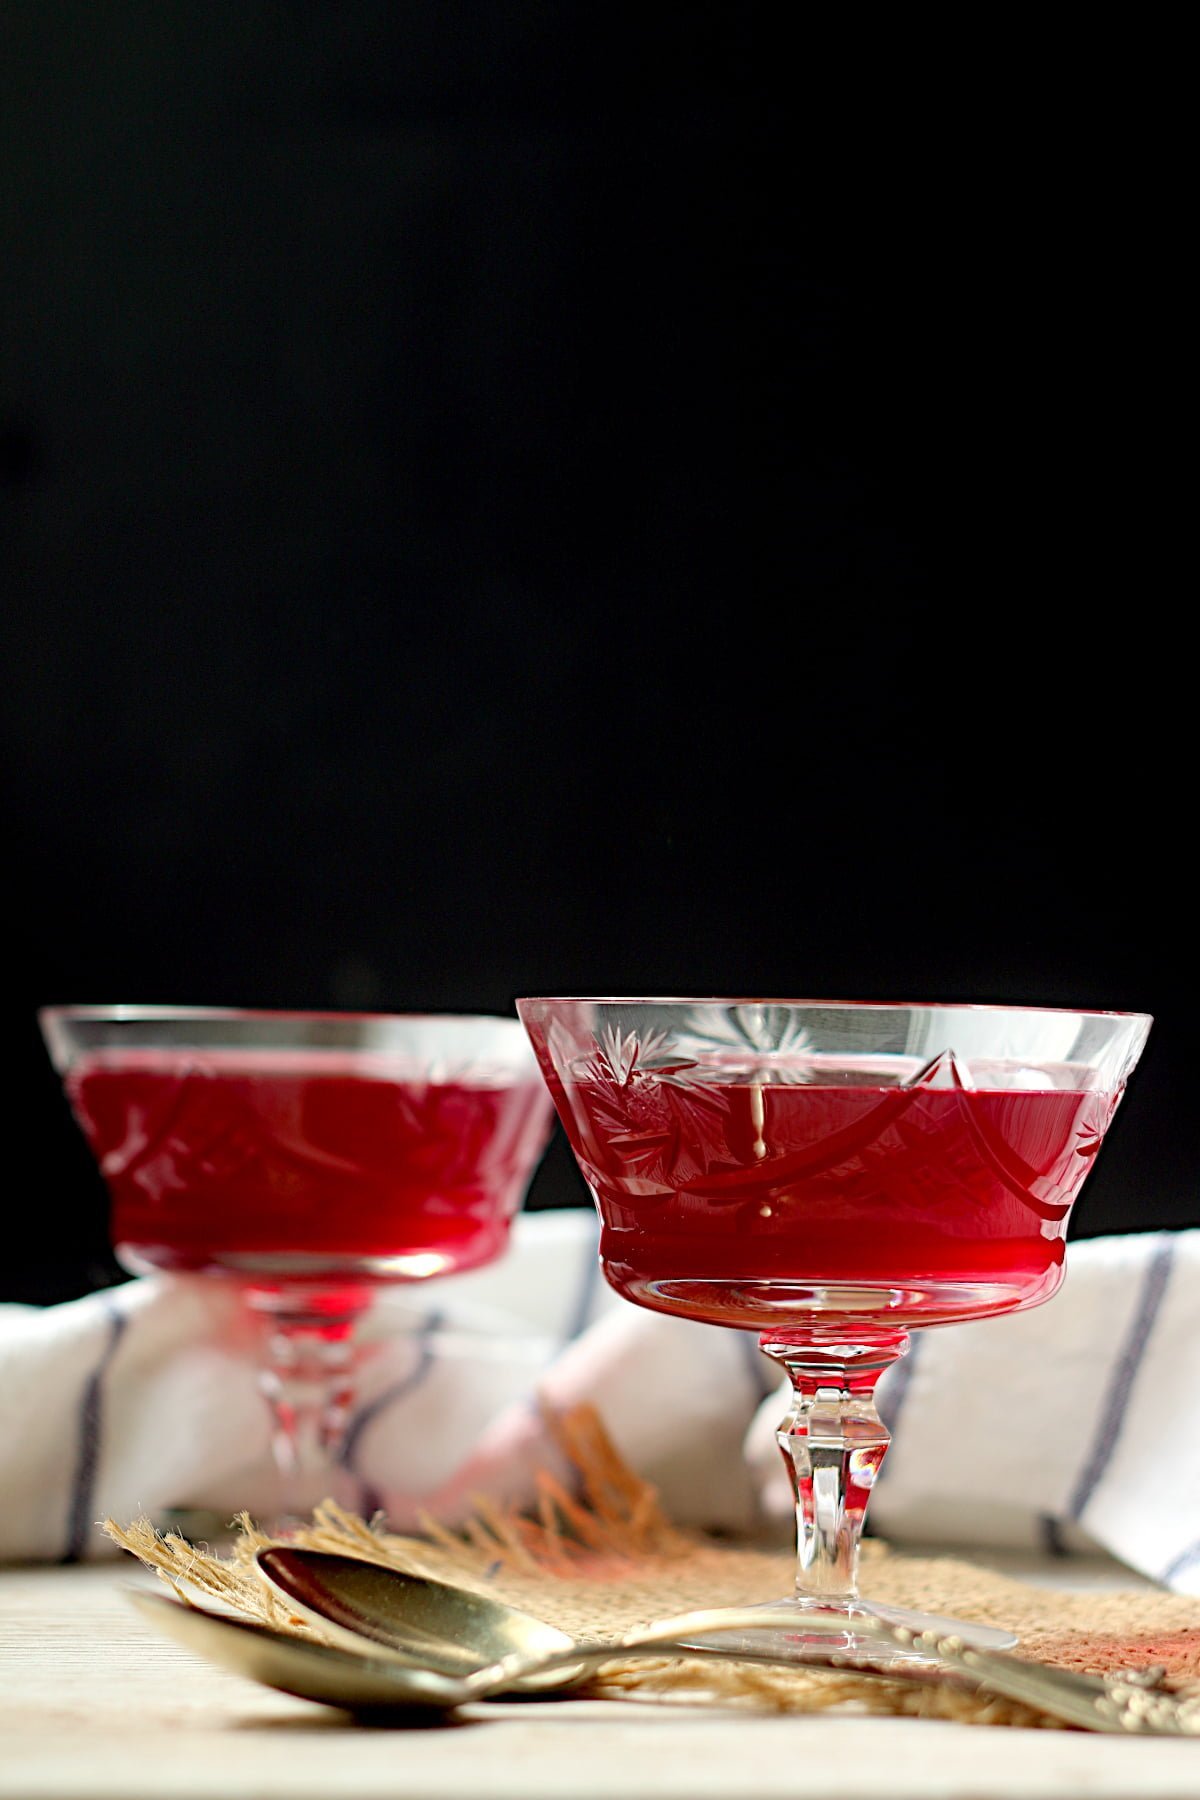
(1118, 1704)
(1114, 1703)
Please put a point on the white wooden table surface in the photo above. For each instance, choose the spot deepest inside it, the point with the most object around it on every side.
(96, 1705)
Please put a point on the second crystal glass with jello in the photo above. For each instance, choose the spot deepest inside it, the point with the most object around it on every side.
(833, 1175)
(308, 1161)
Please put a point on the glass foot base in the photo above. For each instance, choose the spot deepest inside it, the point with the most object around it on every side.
(787, 1643)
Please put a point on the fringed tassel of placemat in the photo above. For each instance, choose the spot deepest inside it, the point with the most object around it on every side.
(602, 1557)
(612, 1523)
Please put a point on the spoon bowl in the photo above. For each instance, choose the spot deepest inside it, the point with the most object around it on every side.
(415, 1618)
(351, 1680)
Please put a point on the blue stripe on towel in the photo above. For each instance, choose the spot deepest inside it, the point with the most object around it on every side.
(577, 1320)
(1178, 1564)
(406, 1384)
(1050, 1533)
(91, 1426)
(1120, 1386)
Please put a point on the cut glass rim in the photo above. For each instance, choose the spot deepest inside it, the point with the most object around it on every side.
(136, 1013)
(813, 1005)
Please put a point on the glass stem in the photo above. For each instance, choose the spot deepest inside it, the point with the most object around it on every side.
(833, 1443)
(307, 1374)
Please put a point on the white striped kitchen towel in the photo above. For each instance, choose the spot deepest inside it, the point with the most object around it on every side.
(1073, 1426)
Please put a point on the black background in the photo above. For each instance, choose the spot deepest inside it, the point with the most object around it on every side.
(555, 499)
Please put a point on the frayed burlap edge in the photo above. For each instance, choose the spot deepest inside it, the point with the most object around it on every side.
(605, 1558)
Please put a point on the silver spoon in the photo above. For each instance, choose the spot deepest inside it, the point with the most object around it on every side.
(362, 1683)
(364, 1604)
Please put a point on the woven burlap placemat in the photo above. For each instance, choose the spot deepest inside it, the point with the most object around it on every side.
(601, 1556)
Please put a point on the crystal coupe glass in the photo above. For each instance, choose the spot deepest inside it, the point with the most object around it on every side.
(833, 1176)
(307, 1159)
